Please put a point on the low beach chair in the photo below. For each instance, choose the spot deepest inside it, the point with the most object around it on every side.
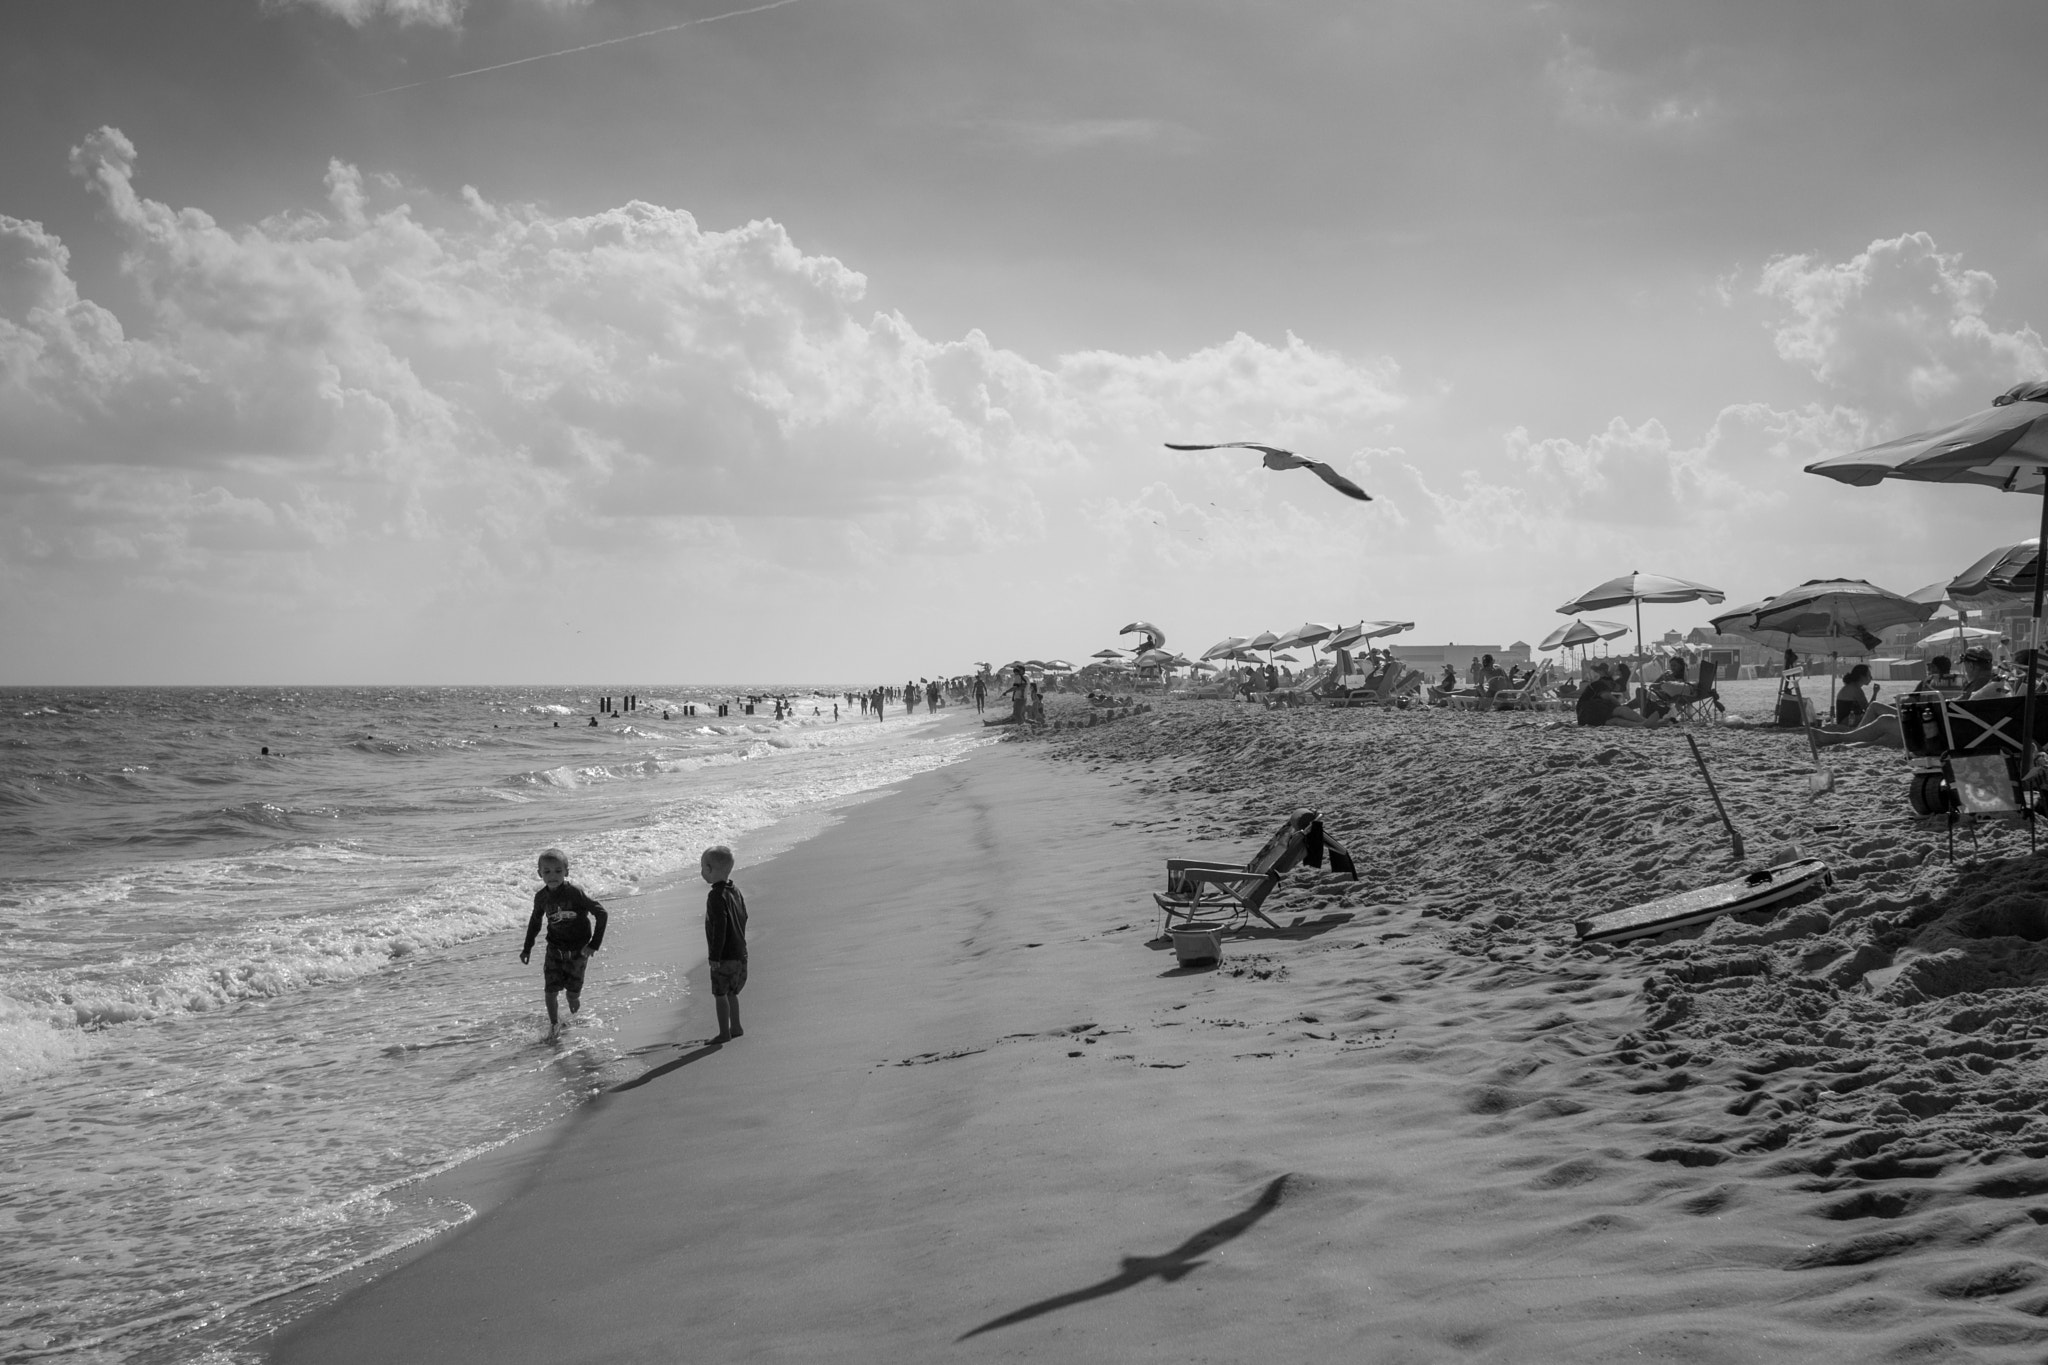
(1201, 891)
(1703, 703)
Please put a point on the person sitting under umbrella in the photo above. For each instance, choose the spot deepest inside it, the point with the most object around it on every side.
(1941, 675)
(1881, 719)
(1852, 702)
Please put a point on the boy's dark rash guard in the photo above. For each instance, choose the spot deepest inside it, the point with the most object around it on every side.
(568, 914)
(725, 923)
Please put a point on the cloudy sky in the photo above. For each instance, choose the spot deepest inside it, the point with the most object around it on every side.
(361, 340)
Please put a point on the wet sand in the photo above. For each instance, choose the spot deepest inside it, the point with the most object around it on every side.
(978, 1115)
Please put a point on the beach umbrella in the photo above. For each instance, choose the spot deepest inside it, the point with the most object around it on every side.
(1638, 588)
(1227, 645)
(1154, 636)
(1058, 666)
(1265, 639)
(1945, 609)
(2005, 446)
(1742, 621)
(1366, 630)
(1841, 611)
(1578, 634)
(1307, 633)
(1107, 654)
(2003, 578)
(1958, 636)
(1848, 608)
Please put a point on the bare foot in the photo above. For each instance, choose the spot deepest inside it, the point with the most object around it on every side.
(722, 1038)
(737, 1031)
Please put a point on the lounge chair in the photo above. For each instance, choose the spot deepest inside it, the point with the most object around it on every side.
(1369, 692)
(1398, 686)
(1534, 689)
(1200, 891)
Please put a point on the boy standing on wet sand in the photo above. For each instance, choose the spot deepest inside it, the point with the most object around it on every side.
(575, 930)
(725, 936)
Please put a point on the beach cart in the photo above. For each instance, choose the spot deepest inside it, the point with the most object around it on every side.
(1966, 757)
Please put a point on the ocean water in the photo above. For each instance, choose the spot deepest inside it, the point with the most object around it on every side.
(247, 1002)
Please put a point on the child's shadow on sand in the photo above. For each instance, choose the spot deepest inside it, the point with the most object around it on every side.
(666, 1067)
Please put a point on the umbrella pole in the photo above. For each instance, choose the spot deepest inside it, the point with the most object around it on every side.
(2027, 711)
(1639, 630)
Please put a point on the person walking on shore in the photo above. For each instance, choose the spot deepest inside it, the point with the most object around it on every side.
(725, 939)
(575, 925)
(980, 693)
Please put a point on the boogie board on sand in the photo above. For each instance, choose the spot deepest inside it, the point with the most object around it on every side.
(1757, 891)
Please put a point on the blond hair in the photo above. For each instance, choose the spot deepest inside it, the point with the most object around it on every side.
(718, 856)
(555, 856)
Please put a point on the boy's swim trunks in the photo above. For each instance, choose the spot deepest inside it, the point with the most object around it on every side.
(728, 976)
(563, 970)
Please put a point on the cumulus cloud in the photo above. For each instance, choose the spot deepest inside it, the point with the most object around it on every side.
(1896, 336)
(1899, 328)
(489, 394)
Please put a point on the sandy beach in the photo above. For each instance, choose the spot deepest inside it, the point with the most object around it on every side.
(978, 1114)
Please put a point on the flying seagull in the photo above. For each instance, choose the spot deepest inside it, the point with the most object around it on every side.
(1276, 458)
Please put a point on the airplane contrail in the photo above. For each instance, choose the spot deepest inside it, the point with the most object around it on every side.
(587, 47)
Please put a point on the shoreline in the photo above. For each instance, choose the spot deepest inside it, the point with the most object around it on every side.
(977, 1112)
(665, 932)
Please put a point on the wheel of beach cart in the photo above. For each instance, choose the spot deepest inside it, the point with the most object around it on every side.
(1926, 794)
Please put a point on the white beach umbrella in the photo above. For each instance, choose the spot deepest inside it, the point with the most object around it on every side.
(1960, 636)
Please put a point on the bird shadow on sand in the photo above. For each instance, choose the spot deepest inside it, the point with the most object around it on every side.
(666, 1067)
(1168, 1266)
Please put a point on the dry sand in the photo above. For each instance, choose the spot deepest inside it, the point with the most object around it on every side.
(977, 1115)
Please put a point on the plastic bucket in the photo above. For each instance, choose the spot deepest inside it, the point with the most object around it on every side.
(1194, 944)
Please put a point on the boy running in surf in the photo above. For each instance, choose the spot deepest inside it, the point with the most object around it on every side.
(575, 930)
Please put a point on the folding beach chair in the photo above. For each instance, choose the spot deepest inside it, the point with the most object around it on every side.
(1966, 758)
(1705, 703)
(1200, 891)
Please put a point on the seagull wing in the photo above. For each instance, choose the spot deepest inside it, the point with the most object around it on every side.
(1338, 481)
(1273, 457)
(1236, 445)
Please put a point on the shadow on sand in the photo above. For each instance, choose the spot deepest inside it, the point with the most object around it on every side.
(1298, 930)
(1169, 1266)
(666, 1067)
